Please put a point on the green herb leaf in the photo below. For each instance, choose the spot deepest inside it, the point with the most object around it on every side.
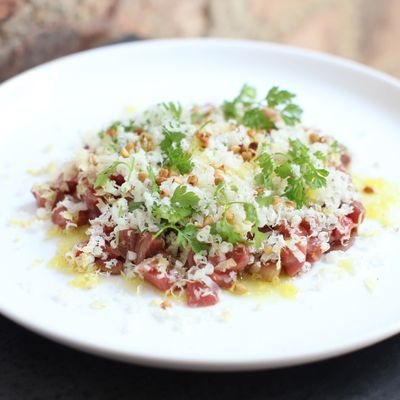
(265, 201)
(266, 164)
(226, 231)
(154, 187)
(173, 154)
(134, 205)
(251, 212)
(310, 176)
(281, 100)
(259, 237)
(174, 108)
(276, 97)
(187, 238)
(255, 118)
(182, 206)
(246, 96)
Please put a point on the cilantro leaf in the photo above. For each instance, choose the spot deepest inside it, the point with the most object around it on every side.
(134, 205)
(258, 238)
(183, 198)
(296, 191)
(103, 177)
(251, 212)
(246, 96)
(182, 206)
(154, 187)
(275, 97)
(187, 238)
(266, 163)
(255, 118)
(265, 201)
(291, 114)
(226, 231)
(174, 156)
(309, 177)
(174, 109)
(281, 100)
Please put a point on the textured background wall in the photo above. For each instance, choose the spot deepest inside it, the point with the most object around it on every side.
(33, 31)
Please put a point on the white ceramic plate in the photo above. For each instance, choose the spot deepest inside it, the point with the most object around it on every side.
(337, 309)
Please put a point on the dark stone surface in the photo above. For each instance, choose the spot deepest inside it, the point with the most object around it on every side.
(32, 367)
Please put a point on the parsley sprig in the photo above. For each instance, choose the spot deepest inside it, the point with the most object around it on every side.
(174, 108)
(307, 177)
(281, 100)
(299, 170)
(251, 113)
(174, 156)
(183, 204)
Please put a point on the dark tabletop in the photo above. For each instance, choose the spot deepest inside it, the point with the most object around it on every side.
(32, 367)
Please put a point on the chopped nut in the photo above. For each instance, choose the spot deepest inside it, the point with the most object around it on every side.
(164, 193)
(146, 140)
(142, 176)
(165, 304)
(251, 133)
(130, 146)
(208, 220)
(230, 217)
(218, 178)
(368, 190)
(173, 173)
(203, 138)
(268, 250)
(163, 173)
(111, 132)
(124, 153)
(247, 155)
(290, 204)
(276, 200)
(272, 114)
(260, 190)
(253, 146)
(314, 137)
(160, 180)
(236, 149)
(192, 180)
(239, 288)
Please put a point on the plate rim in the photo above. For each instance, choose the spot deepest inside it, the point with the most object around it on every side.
(372, 337)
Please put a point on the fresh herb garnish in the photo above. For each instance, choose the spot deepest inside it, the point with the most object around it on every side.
(252, 113)
(174, 108)
(174, 156)
(154, 187)
(306, 177)
(226, 231)
(246, 97)
(264, 178)
(281, 100)
(187, 237)
(134, 205)
(183, 204)
(251, 216)
(256, 118)
(265, 201)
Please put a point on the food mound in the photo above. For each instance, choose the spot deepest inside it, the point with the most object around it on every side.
(192, 200)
